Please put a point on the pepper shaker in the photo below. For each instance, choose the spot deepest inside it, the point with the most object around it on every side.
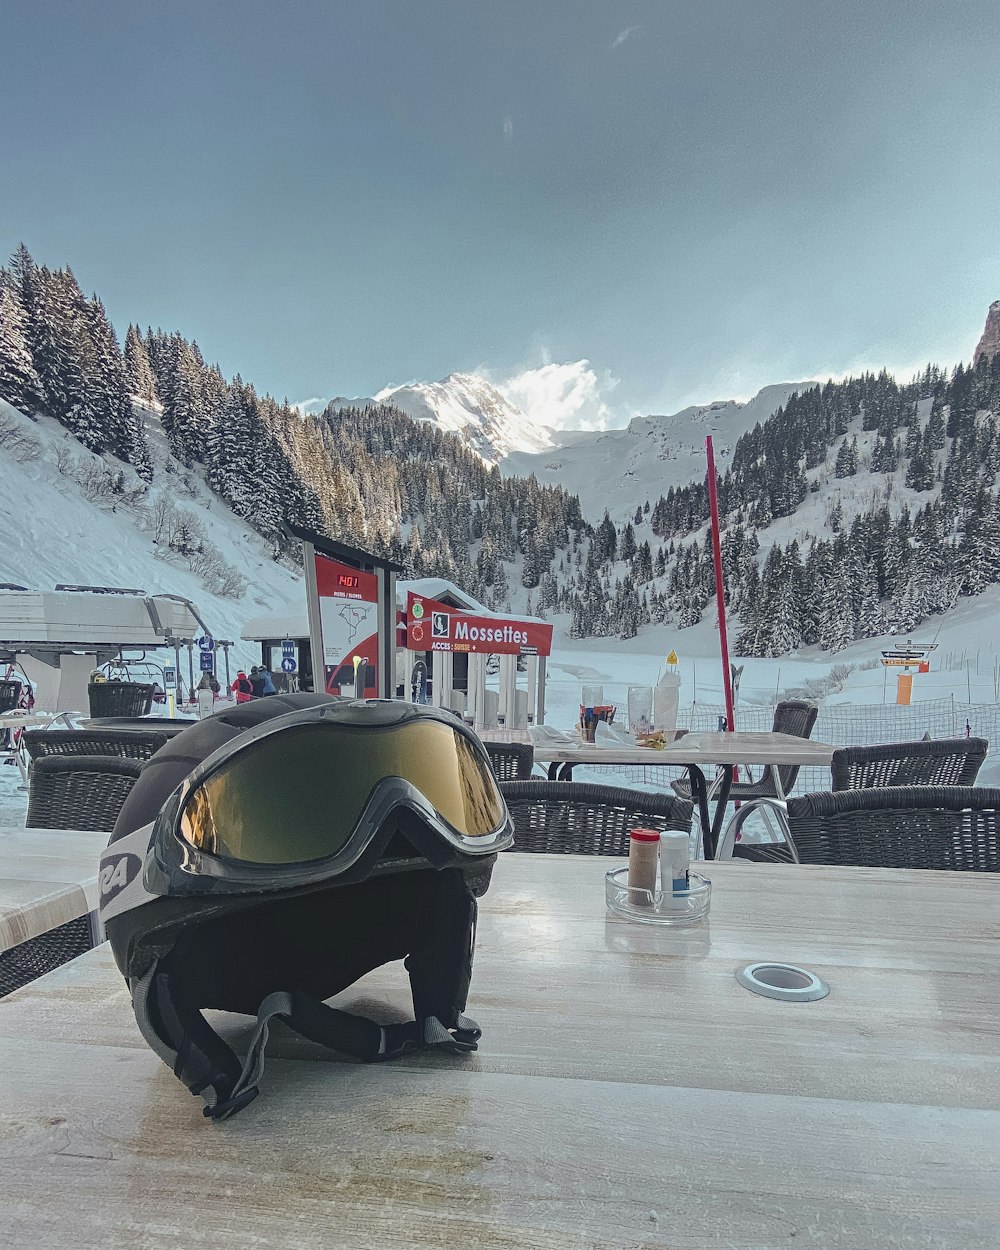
(643, 852)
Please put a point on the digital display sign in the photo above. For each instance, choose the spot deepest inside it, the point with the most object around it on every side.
(348, 581)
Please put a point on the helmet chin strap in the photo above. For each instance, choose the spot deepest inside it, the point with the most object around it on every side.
(340, 1031)
(440, 970)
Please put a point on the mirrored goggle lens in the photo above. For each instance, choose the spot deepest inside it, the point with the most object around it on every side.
(297, 795)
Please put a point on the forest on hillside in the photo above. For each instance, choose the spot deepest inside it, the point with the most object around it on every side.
(927, 532)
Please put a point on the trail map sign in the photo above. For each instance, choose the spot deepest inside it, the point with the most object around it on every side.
(351, 600)
(348, 611)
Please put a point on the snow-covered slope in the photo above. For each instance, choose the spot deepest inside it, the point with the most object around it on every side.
(621, 469)
(60, 526)
(469, 406)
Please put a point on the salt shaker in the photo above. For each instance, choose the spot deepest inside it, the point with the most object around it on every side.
(643, 851)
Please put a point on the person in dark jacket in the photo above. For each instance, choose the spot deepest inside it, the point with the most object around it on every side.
(256, 682)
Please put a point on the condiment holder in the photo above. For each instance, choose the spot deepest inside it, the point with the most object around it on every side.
(685, 907)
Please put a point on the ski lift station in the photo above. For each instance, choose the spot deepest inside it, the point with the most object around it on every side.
(423, 639)
(58, 637)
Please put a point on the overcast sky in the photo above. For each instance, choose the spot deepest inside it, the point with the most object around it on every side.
(613, 207)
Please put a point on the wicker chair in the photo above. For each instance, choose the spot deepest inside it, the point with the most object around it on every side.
(793, 716)
(512, 761)
(945, 827)
(10, 695)
(124, 743)
(578, 818)
(32, 959)
(79, 792)
(938, 762)
(120, 698)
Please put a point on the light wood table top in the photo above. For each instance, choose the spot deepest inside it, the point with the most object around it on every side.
(628, 1093)
(47, 877)
(706, 749)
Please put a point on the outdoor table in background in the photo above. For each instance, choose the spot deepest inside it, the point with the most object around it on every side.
(628, 1092)
(694, 752)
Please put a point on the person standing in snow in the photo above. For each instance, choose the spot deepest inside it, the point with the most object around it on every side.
(241, 688)
(267, 684)
(256, 682)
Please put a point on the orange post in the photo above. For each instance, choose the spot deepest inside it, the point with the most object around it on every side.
(904, 687)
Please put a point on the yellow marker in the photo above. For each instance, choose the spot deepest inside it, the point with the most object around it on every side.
(672, 657)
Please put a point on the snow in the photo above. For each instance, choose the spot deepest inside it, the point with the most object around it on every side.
(53, 534)
(468, 405)
(621, 469)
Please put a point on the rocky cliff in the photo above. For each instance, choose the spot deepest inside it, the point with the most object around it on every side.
(989, 344)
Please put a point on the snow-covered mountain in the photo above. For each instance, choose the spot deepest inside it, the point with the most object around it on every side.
(467, 405)
(621, 469)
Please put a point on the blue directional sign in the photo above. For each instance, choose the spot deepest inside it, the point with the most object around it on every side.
(207, 662)
(288, 665)
(288, 646)
(170, 677)
(206, 643)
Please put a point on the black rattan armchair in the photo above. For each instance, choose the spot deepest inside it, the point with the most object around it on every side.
(79, 792)
(32, 959)
(937, 762)
(120, 698)
(794, 716)
(945, 827)
(512, 761)
(125, 743)
(578, 818)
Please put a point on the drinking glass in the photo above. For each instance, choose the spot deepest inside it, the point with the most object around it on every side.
(640, 709)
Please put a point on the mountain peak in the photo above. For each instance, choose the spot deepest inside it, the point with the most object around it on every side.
(989, 344)
(468, 405)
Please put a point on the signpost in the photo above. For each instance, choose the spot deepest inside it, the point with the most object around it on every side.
(437, 626)
(207, 662)
(907, 656)
(206, 643)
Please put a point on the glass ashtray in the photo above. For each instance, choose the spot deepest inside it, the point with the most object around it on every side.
(656, 907)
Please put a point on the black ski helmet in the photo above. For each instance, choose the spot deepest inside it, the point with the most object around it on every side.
(279, 948)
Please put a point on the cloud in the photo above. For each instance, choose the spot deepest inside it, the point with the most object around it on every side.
(508, 129)
(569, 396)
(310, 407)
(623, 35)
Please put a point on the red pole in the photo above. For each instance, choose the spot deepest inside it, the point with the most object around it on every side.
(720, 590)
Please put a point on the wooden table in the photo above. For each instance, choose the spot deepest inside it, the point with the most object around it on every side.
(47, 877)
(694, 751)
(628, 1093)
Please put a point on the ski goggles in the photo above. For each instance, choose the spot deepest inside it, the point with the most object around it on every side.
(302, 798)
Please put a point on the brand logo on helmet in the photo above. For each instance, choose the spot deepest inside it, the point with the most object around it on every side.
(116, 875)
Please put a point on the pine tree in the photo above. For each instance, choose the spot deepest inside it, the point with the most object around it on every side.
(627, 547)
(139, 377)
(19, 383)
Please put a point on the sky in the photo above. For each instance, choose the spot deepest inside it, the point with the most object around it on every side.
(607, 208)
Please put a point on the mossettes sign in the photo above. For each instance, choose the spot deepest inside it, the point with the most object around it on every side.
(435, 626)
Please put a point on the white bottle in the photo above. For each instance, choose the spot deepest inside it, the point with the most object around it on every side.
(666, 698)
(675, 862)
